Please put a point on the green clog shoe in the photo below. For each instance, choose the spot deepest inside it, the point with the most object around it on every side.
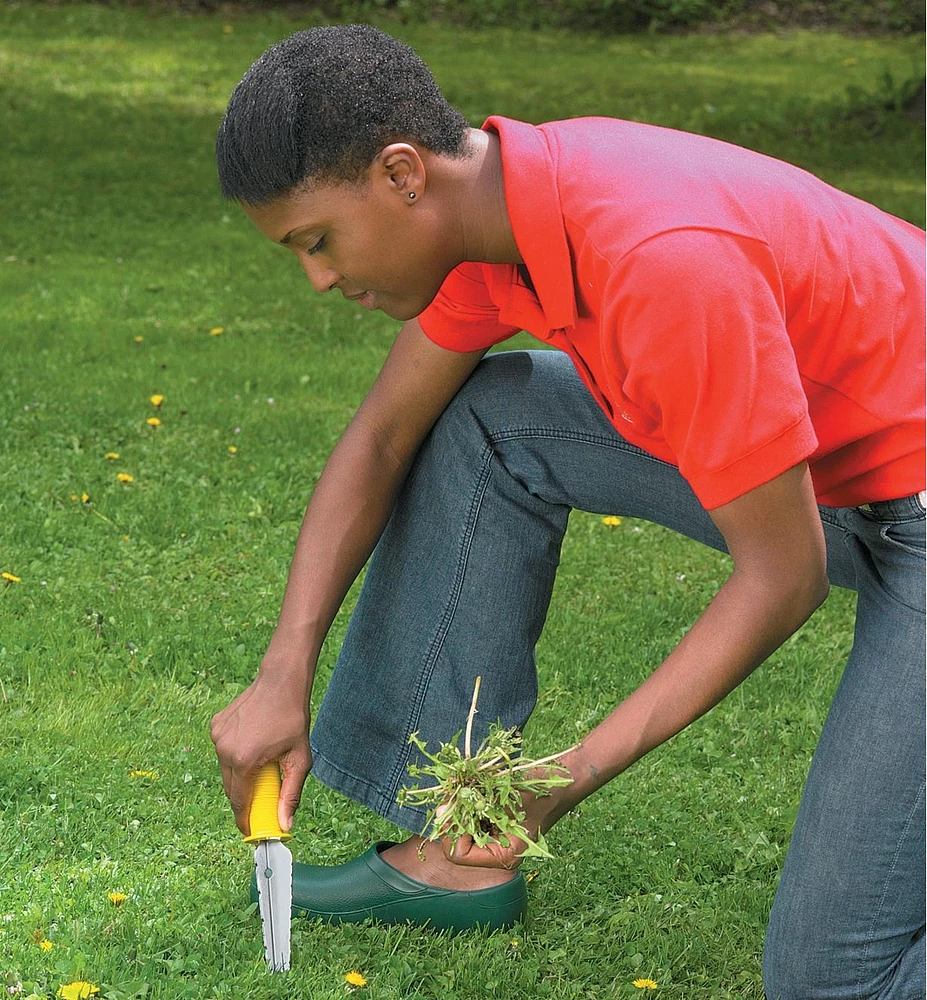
(368, 887)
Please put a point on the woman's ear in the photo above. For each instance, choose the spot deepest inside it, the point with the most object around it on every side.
(400, 167)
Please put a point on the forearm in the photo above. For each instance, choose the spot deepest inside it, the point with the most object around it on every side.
(776, 542)
(354, 496)
(269, 719)
(348, 510)
(747, 620)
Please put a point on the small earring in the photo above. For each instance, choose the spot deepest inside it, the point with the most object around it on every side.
(411, 196)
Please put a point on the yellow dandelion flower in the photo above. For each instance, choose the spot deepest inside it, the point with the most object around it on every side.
(111, 455)
(80, 989)
(138, 340)
(85, 498)
(124, 477)
(152, 775)
(117, 898)
(611, 520)
(354, 979)
(10, 578)
(157, 399)
(233, 449)
(46, 945)
(125, 538)
(216, 330)
(227, 28)
(153, 422)
(644, 984)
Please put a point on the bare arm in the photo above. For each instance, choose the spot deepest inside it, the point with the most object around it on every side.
(776, 541)
(348, 510)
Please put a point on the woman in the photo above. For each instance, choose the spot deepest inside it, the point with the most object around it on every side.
(741, 360)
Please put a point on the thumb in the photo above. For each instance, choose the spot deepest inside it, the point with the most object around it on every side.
(291, 790)
(456, 851)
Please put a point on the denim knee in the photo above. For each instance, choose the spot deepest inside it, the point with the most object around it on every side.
(797, 965)
(791, 972)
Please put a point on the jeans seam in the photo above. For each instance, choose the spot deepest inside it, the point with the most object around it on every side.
(888, 877)
(617, 442)
(440, 635)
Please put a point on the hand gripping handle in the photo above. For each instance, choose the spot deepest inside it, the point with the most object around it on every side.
(263, 815)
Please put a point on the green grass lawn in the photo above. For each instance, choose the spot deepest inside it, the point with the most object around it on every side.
(142, 607)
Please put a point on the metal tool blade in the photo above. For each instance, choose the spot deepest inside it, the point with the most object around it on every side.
(273, 867)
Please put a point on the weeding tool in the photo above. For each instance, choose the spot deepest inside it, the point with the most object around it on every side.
(273, 868)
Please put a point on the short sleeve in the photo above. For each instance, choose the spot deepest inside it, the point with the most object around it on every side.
(696, 332)
(463, 316)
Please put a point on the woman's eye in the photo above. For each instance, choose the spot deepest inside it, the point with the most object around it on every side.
(316, 247)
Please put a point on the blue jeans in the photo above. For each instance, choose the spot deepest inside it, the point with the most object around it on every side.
(460, 584)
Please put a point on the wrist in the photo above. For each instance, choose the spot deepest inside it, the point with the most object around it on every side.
(286, 663)
(543, 811)
(587, 770)
(292, 649)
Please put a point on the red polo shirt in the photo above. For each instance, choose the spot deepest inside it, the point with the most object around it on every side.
(731, 313)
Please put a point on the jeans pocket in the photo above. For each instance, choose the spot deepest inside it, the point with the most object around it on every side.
(892, 554)
(906, 535)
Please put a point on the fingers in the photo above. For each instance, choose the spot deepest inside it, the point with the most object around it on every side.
(466, 852)
(493, 855)
(240, 792)
(457, 851)
(239, 786)
(242, 732)
(236, 780)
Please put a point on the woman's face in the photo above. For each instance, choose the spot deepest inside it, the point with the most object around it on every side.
(380, 248)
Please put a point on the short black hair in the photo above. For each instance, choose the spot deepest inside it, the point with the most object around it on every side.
(318, 107)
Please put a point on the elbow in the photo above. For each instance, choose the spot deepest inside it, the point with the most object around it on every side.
(823, 589)
(791, 597)
(818, 584)
(819, 593)
(808, 593)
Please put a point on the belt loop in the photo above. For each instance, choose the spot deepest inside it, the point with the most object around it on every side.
(921, 499)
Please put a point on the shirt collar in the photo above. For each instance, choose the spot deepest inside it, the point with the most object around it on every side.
(533, 204)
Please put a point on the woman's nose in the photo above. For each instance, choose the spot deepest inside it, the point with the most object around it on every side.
(322, 277)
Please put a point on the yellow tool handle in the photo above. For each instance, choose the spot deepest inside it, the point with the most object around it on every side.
(263, 815)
